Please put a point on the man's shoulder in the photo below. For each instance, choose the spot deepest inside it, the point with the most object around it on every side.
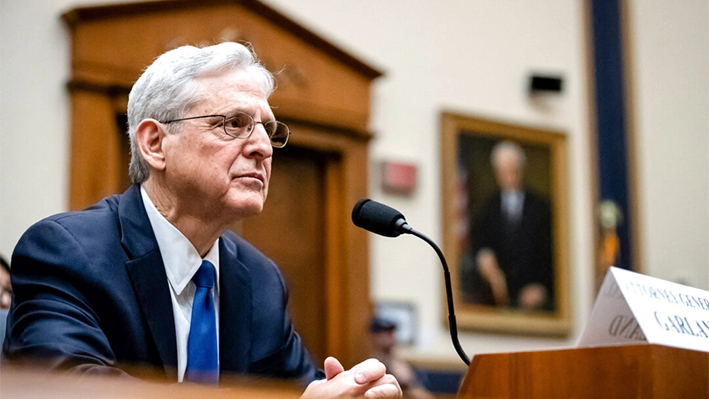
(94, 216)
(93, 224)
(491, 202)
(74, 239)
(535, 198)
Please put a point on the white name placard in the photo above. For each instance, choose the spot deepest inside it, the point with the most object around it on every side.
(632, 308)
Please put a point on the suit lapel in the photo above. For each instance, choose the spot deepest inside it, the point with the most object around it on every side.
(234, 310)
(148, 276)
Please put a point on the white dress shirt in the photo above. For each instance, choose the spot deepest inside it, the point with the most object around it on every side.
(181, 261)
(512, 204)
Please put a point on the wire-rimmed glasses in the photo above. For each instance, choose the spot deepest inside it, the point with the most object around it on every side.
(240, 125)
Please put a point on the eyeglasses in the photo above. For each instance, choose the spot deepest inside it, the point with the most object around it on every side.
(240, 125)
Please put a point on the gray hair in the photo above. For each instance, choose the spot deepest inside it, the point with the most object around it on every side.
(168, 88)
(507, 146)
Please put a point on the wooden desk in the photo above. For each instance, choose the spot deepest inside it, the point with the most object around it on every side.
(23, 384)
(639, 371)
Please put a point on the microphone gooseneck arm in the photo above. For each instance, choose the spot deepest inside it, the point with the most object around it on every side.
(406, 229)
(386, 221)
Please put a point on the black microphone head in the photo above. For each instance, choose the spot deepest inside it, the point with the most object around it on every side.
(377, 218)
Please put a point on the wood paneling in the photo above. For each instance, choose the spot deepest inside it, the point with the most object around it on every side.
(98, 161)
(638, 371)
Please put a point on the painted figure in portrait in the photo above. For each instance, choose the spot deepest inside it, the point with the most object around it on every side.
(506, 256)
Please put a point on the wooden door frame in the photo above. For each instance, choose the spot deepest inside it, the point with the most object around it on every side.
(346, 246)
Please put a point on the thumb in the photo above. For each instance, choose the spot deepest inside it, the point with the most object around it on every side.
(332, 368)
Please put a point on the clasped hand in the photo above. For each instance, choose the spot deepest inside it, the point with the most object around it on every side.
(365, 380)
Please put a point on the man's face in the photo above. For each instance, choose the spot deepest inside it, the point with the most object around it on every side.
(508, 170)
(210, 174)
(384, 340)
(5, 289)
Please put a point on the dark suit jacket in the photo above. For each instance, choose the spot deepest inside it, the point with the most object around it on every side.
(91, 295)
(523, 250)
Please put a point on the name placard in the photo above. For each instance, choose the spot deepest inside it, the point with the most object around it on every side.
(632, 308)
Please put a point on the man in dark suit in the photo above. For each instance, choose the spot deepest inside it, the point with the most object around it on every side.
(511, 240)
(152, 277)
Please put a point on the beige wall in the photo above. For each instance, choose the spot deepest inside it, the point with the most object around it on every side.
(671, 92)
(468, 56)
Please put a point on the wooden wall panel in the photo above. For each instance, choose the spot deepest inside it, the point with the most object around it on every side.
(96, 164)
(311, 84)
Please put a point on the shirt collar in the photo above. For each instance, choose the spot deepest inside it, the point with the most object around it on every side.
(512, 193)
(179, 256)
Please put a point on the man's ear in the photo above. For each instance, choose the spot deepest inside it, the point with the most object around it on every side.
(149, 137)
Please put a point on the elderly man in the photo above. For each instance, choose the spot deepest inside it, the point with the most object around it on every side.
(511, 238)
(153, 277)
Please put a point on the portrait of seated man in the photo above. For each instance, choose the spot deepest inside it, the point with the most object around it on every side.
(509, 261)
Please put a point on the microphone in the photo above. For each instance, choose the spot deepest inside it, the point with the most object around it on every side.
(379, 218)
(386, 221)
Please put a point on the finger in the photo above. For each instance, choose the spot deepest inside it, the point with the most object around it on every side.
(368, 371)
(384, 391)
(333, 367)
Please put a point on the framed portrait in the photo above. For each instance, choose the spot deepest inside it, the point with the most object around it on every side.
(505, 225)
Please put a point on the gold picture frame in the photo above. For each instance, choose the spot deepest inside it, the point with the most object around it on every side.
(469, 190)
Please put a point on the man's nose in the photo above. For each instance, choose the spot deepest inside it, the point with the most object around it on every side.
(259, 142)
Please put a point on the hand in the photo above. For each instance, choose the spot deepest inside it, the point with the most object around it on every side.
(532, 296)
(365, 380)
(491, 272)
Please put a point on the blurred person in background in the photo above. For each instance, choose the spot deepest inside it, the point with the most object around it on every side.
(383, 347)
(5, 296)
(5, 286)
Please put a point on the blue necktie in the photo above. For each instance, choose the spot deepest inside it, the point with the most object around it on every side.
(202, 357)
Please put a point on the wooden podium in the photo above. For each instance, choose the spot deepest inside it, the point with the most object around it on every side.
(637, 371)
